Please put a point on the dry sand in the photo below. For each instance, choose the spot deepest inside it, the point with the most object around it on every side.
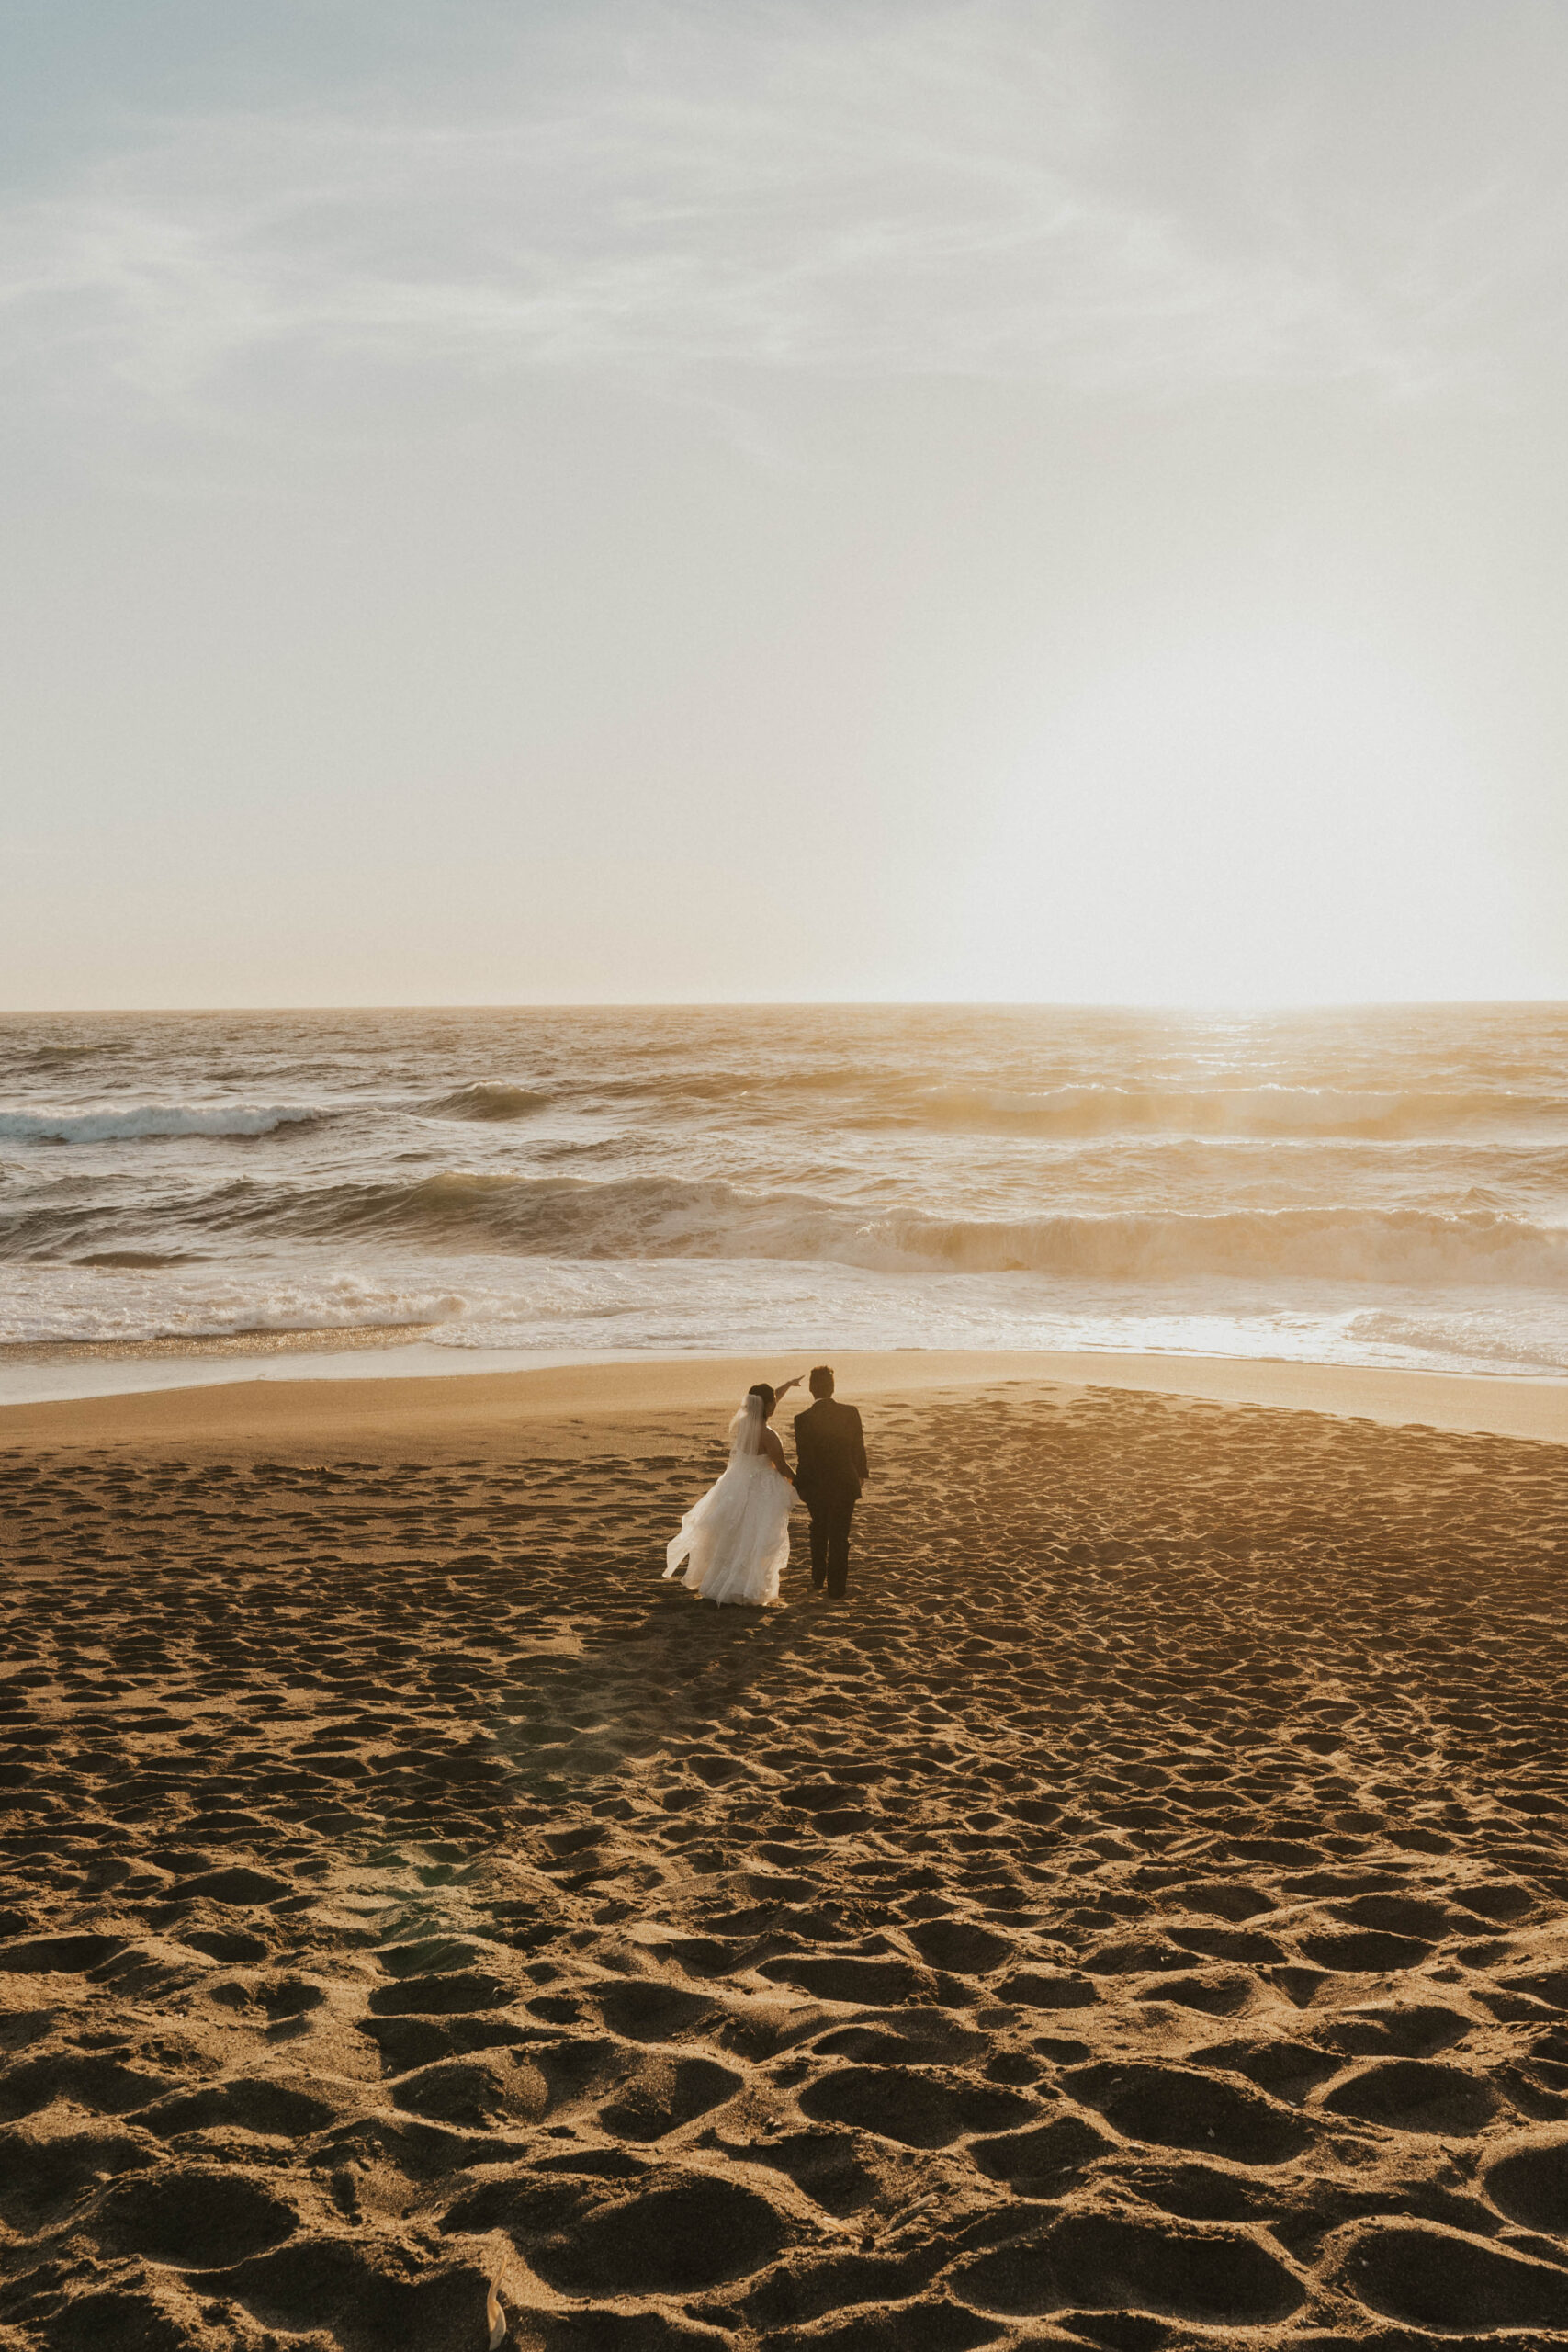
(1135, 1919)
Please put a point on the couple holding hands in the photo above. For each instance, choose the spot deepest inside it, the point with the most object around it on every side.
(735, 1541)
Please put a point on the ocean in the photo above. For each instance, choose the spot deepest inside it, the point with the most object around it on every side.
(1385, 1185)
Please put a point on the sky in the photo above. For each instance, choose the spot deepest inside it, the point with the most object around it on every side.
(571, 501)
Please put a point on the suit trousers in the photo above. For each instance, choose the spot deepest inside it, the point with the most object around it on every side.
(831, 1517)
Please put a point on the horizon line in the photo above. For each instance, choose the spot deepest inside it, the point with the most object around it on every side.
(798, 1004)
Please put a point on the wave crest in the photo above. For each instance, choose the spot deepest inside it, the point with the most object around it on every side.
(1342, 1245)
(665, 1217)
(487, 1101)
(146, 1122)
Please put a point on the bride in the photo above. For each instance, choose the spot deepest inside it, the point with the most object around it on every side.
(736, 1539)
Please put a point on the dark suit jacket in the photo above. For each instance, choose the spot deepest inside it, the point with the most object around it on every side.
(829, 1452)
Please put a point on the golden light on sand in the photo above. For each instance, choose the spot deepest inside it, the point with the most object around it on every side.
(419, 1908)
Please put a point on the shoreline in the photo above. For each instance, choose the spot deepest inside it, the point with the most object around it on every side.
(285, 1339)
(638, 1397)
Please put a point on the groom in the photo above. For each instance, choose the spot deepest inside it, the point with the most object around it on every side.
(829, 1447)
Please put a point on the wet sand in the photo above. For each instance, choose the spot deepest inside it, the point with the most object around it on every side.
(363, 1337)
(1136, 1918)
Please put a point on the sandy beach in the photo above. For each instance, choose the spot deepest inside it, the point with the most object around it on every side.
(1135, 1919)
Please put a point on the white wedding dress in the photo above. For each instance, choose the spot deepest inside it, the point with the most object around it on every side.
(735, 1541)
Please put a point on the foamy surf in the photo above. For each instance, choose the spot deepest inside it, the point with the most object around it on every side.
(663, 1217)
(1382, 1186)
(146, 1121)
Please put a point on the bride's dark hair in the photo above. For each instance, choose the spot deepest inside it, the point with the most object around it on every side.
(769, 1397)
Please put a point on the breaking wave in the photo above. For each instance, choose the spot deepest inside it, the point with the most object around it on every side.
(666, 1218)
(145, 1122)
(1378, 1183)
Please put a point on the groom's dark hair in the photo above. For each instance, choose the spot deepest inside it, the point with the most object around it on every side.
(821, 1381)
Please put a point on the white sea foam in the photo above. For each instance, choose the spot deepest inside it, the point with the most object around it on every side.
(126, 1304)
(783, 1306)
(147, 1120)
(1378, 1186)
(667, 1216)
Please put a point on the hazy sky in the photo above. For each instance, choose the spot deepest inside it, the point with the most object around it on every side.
(570, 500)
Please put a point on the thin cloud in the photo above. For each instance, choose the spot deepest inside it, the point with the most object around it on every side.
(943, 197)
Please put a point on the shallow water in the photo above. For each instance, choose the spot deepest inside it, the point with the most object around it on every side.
(1387, 1186)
